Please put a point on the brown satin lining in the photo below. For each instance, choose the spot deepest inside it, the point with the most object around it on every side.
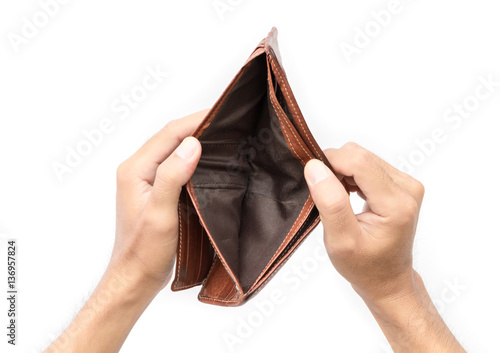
(249, 185)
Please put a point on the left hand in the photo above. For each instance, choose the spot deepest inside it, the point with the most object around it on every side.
(148, 188)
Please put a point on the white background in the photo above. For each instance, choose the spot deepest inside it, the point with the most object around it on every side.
(394, 91)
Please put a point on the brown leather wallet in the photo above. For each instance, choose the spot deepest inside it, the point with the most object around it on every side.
(247, 206)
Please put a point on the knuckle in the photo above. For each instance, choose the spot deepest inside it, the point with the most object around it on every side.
(351, 146)
(408, 209)
(358, 156)
(419, 188)
(123, 172)
(329, 153)
(412, 207)
(361, 158)
(165, 174)
(171, 127)
(334, 205)
(415, 187)
(155, 220)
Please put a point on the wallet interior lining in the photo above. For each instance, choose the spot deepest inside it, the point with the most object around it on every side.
(296, 238)
(249, 185)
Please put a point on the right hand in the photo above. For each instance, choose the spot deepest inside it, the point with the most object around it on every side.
(373, 249)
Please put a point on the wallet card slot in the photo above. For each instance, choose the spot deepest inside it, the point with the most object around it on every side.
(195, 254)
(278, 101)
(289, 104)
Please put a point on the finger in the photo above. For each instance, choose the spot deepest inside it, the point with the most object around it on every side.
(147, 159)
(332, 201)
(382, 193)
(172, 174)
(405, 181)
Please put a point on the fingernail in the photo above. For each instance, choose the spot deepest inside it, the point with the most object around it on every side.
(187, 148)
(317, 171)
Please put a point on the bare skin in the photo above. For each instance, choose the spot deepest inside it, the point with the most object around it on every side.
(148, 188)
(372, 250)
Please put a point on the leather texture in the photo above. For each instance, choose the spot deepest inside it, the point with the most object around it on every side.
(247, 206)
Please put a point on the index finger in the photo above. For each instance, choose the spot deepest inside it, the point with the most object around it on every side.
(405, 181)
(382, 193)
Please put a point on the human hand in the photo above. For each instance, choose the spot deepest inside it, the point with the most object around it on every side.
(148, 188)
(373, 249)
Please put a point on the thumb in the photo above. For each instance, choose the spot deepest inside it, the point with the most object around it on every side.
(175, 172)
(331, 199)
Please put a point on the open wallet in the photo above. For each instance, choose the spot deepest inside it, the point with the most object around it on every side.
(247, 206)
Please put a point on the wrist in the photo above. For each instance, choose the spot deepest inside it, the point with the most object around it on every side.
(117, 302)
(411, 322)
(126, 278)
(381, 289)
(407, 301)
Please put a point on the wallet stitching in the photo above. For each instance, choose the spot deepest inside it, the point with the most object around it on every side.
(278, 112)
(210, 271)
(180, 246)
(249, 191)
(294, 228)
(206, 122)
(243, 186)
(189, 285)
(303, 219)
(283, 261)
(286, 134)
(294, 109)
(270, 198)
(196, 205)
(229, 186)
(296, 138)
(230, 294)
(179, 258)
(285, 118)
(290, 244)
(213, 298)
(218, 300)
(218, 105)
(200, 265)
(220, 144)
(187, 245)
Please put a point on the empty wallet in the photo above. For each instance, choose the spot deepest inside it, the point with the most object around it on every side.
(247, 206)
